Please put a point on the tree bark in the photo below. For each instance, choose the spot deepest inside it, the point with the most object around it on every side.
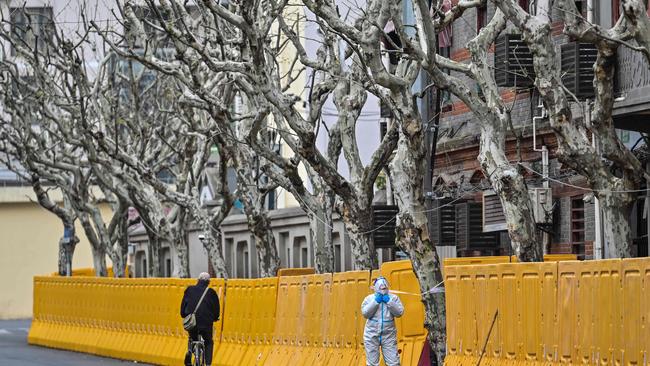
(119, 257)
(413, 234)
(320, 229)
(616, 210)
(66, 253)
(99, 261)
(267, 253)
(212, 244)
(509, 184)
(357, 218)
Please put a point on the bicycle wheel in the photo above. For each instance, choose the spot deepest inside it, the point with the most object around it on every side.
(199, 355)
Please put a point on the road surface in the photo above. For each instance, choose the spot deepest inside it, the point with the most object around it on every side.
(14, 350)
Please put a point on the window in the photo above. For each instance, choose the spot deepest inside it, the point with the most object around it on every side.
(578, 225)
(242, 259)
(246, 266)
(481, 18)
(228, 256)
(32, 27)
(304, 258)
(289, 258)
(337, 258)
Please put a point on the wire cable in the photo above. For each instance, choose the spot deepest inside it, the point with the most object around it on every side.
(582, 188)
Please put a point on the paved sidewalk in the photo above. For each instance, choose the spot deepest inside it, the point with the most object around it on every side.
(14, 350)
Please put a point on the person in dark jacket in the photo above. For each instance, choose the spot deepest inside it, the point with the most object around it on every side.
(206, 315)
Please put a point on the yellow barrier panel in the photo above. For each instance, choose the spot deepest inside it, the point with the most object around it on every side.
(345, 328)
(464, 261)
(411, 334)
(452, 302)
(632, 276)
(287, 320)
(560, 257)
(248, 322)
(90, 272)
(285, 272)
(565, 312)
(263, 298)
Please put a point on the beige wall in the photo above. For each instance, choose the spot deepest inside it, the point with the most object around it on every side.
(29, 238)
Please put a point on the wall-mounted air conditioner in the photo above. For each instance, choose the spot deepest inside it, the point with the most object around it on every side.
(494, 218)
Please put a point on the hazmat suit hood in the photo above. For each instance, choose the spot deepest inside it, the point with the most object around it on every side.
(381, 286)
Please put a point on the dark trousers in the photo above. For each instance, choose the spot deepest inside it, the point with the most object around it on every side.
(206, 333)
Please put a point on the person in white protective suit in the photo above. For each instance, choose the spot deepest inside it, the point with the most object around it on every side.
(380, 309)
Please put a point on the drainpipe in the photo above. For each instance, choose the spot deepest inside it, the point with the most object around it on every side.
(546, 238)
(598, 239)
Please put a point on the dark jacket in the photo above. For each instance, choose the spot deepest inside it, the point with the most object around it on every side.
(208, 312)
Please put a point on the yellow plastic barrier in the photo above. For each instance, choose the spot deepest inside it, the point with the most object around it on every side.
(285, 272)
(560, 257)
(90, 272)
(465, 261)
(411, 333)
(248, 321)
(344, 338)
(560, 312)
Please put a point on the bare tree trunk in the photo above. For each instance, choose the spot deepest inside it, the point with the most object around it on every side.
(413, 237)
(267, 253)
(153, 252)
(212, 244)
(119, 235)
(509, 184)
(99, 261)
(67, 245)
(66, 253)
(180, 244)
(357, 219)
(181, 261)
(320, 229)
(616, 209)
(119, 257)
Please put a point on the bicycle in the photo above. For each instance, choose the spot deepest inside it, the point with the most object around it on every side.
(198, 351)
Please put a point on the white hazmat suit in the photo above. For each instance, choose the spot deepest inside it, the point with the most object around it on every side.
(380, 309)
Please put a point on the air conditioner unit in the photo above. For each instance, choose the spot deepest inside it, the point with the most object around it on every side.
(513, 62)
(494, 218)
(577, 62)
(542, 199)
